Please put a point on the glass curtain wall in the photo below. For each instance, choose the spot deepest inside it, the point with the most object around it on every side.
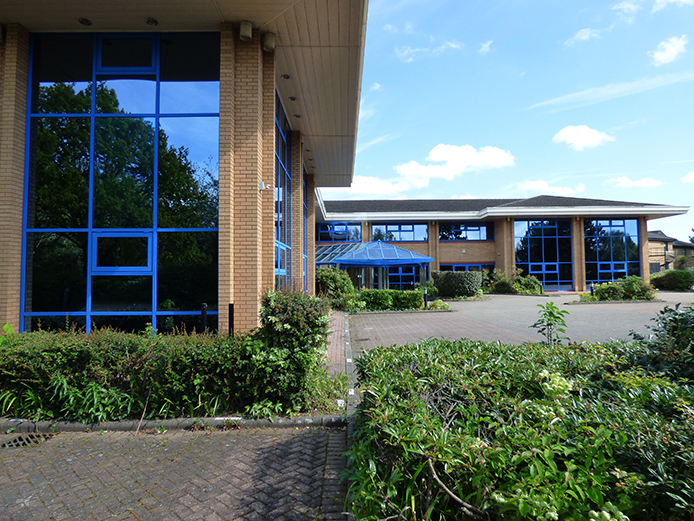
(612, 249)
(543, 250)
(283, 198)
(121, 198)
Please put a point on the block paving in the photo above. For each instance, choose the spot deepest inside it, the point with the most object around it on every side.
(246, 474)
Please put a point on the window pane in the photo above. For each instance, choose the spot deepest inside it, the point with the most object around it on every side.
(421, 232)
(186, 323)
(119, 293)
(564, 247)
(125, 323)
(564, 228)
(550, 253)
(59, 185)
(123, 189)
(56, 278)
(535, 250)
(123, 95)
(126, 52)
(189, 73)
(53, 323)
(521, 228)
(122, 251)
(62, 73)
(188, 172)
(187, 268)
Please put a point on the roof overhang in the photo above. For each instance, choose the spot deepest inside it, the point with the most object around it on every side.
(319, 45)
(650, 212)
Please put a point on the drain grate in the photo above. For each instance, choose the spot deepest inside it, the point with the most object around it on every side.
(25, 440)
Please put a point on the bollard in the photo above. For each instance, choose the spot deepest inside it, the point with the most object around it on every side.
(426, 304)
(203, 315)
(592, 289)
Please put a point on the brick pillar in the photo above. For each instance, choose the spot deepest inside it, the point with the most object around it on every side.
(643, 249)
(434, 245)
(297, 196)
(14, 83)
(248, 174)
(226, 174)
(311, 236)
(505, 244)
(579, 253)
(268, 195)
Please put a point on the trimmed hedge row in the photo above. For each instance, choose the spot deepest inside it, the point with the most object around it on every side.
(110, 375)
(457, 283)
(673, 280)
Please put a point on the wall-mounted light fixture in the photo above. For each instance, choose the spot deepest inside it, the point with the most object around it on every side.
(264, 186)
(245, 30)
(85, 21)
(285, 76)
(151, 21)
(269, 42)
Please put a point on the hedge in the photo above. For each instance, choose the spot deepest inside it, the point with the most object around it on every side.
(457, 283)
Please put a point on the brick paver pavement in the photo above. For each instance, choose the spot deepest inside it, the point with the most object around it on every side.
(248, 474)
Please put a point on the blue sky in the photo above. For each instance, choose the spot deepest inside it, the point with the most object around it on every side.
(516, 98)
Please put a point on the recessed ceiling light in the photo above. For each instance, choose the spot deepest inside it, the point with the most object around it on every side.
(297, 116)
(292, 98)
(85, 21)
(285, 76)
(151, 21)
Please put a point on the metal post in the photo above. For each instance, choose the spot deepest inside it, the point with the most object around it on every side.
(592, 289)
(203, 316)
(426, 303)
(231, 319)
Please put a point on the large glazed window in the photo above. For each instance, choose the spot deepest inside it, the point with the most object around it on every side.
(338, 232)
(283, 198)
(543, 250)
(400, 232)
(122, 181)
(612, 249)
(458, 231)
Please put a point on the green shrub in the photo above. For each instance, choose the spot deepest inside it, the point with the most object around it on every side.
(681, 262)
(457, 283)
(609, 291)
(673, 280)
(630, 288)
(405, 300)
(432, 290)
(513, 282)
(110, 375)
(438, 305)
(519, 432)
(377, 299)
(334, 284)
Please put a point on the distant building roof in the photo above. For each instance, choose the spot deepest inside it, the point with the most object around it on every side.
(659, 236)
(481, 209)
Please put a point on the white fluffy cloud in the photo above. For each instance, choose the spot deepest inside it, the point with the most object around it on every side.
(454, 161)
(582, 36)
(464, 196)
(543, 187)
(627, 7)
(581, 137)
(484, 48)
(410, 54)
(689, 178)
(661, 4)
(625, 182)
(669, 50)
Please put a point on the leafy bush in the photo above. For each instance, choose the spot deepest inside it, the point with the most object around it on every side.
(110, 375)
(670, 348)
(438, 305)
(514, 283)
(406, 300)
(519, 432)
(630, 288)
(673, 280)
(432, 290)
(377, 299)
(334, 284)
(457, 283)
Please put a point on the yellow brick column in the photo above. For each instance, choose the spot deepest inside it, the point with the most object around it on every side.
(643, 249)
(268, 195)
(504, 242)
(248, 174)
(14, 82)
(311, 235)
(579, 253)
(226, 174)
(297, 197)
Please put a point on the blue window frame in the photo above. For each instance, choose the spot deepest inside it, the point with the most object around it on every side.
(283, 199)
(403, 277)
(338, 232)
(612, 249)
(544, 250)
(467, 267)
(121, 199)
(460, 231)
(400, 232)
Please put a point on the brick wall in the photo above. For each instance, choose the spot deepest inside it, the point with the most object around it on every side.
(268, 195)
(297, 211)
(226, 173)
(14, 78)
(579, 253)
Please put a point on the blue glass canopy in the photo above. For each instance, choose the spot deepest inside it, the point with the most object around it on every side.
(382, 254)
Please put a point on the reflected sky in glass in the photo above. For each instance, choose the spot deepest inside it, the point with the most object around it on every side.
(179, 97)
(199, 135)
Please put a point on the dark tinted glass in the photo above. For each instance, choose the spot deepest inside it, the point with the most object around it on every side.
(126, 52)
(119, 293)
(122, 251)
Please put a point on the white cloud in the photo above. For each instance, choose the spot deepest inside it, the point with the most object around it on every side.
(582, 36)
(464, 196)
(544, 187)
(627, 7)
(367, 187)
(455, 160)
(612, 91)
(625, 182)
(581, 137)
(669, 50)
(484, 48)
(689, 178)
(375, 141)
(661, 4)
(410, 54)
(376, 86)
(390, 28)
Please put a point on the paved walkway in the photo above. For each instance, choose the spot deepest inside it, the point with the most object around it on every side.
(248, 474)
